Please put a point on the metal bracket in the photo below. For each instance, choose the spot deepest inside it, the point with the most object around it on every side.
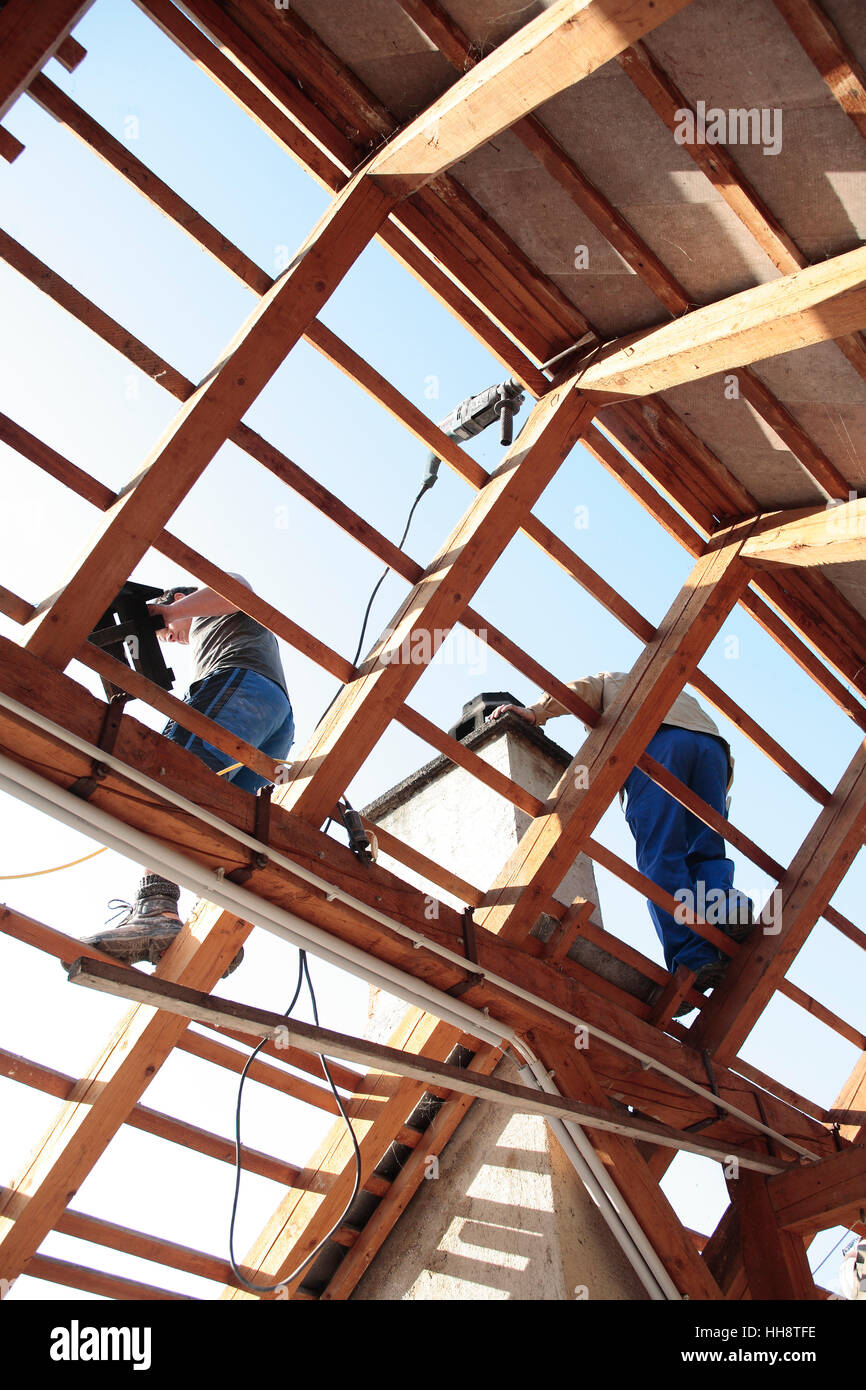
(470, 951)
(720, 1113)
(86, 786)
(262, 832)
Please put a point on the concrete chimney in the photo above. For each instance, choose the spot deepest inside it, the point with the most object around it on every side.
(506, 1216)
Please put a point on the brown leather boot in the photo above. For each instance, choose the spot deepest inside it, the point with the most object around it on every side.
(148, 927)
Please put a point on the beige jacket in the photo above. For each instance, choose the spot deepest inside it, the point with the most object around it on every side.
(601, 690)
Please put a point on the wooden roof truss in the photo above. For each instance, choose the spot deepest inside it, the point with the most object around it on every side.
(805, 1166)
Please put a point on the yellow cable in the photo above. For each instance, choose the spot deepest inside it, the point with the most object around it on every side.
(57, 867)
(37, 872)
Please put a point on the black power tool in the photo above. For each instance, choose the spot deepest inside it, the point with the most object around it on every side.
(127, 631)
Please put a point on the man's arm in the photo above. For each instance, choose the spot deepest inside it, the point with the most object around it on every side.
(589, 688)
(204, 603)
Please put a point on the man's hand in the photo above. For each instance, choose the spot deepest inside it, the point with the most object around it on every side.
(159, 610)
(526, 714)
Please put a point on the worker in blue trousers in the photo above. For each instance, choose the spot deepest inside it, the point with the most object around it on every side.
(237, 680)
(675, 849)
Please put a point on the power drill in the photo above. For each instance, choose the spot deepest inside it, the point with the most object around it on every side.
(477, 412)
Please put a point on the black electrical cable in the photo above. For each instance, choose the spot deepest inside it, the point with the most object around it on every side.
(829, 1253)
(303, 974)
(429, 480)
(263, 1288)
(384, 575)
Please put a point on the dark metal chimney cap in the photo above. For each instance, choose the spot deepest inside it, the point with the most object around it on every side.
(476, 711)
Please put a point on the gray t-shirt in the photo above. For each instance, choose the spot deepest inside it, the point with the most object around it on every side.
(234, 639)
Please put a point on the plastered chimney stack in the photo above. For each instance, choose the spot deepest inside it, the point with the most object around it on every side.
(503, 1213)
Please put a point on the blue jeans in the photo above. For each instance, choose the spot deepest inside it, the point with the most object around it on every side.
(247, 704)
(675, 849)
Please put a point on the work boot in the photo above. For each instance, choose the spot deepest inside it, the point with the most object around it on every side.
(146, 927)
(706, 977)
(735, 917)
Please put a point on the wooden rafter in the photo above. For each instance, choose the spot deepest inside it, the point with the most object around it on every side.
(553, 51)
(305, 55)
(438, 26)
(806, 307)
(715, 162)
(831, 55)
(423, 728)
(102, 1102)
(304, 846)
(207, 419)
(29, 36)
(814, 875)
(829, 1193)
(362, 712)
(774, 1260)
(810, 536)
(200, 1006)
(713, 493)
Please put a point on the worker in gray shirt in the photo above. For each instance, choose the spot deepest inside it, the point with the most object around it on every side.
(237, 680)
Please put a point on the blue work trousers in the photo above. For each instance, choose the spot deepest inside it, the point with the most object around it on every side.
(675, 849)
(249, 705)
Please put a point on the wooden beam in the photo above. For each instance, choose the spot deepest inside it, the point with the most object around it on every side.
(30, 35)
(16, 608)
(565, 43)
(284, 468)
(813, 877)
(432, 1141)
(89, 130)
(831, 55)
(363, 710)
(672, 1242)
(70, 53)
(809, 306)
(723, 1255)
(646, 447)
(730, 183)
(810, 536)
(155, 1122)
(438, 26)
(203, 1007)
(775, 1260)
(97, 1282)
(207, 419)
(822, 1194)
(10, 145)
(305, 1215)
(58, 698)
(852, 1097)
(105, 1097)
(144, 1246)
(550, 844)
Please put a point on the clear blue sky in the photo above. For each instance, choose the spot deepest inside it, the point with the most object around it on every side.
(94, 407)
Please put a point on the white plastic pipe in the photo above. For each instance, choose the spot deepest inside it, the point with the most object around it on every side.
(602, 1189)
(264, 911)
(80, 815)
